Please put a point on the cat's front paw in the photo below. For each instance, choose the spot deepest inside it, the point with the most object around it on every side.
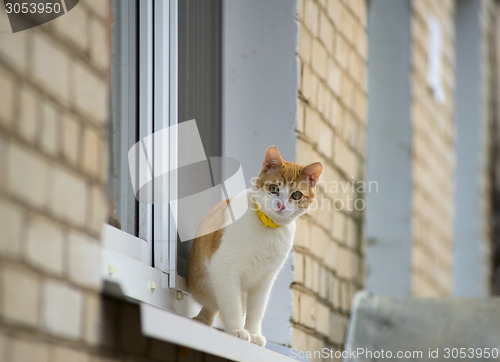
(258, 339)
(241, 333)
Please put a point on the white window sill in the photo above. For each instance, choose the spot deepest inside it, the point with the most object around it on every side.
(170, 327)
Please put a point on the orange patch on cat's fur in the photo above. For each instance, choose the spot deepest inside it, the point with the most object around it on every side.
(205, 246)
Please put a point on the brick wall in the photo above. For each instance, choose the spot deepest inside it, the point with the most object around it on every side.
(332, 104)
(53, 166)
(433, 154)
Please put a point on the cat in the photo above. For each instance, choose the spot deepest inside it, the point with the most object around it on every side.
(232, 270)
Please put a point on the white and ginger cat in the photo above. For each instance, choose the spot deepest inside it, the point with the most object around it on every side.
(232, 270)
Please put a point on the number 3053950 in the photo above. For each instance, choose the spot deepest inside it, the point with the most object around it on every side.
(33, 8)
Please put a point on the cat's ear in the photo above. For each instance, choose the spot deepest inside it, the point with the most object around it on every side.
(272, 159)
(312, 172)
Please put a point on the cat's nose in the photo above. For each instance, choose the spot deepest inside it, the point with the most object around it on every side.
(281, 205)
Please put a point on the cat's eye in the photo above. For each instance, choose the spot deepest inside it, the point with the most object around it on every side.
(274, 189)
(297, 195)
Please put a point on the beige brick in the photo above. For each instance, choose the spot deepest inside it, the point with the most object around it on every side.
(345, 263)
(70, 144)
(299, 268)
(44, 245)
(98, 208)
(7, 100)
(62, 310)
(73, 26)
(92, 149)
(310, 85)
(299, 339)
(29, 115)
(300, 116)
(338, 327)
(11, 223)
(27, 176)
(312, 17)
(326, 32)
(23, 351)
(99, 7)
(339, 225)
(330, 256)
(100, 43)
(335, 12)
(323, 319)
(319, 131)
(345, 158)
(352, 233)
(93, 320)
(64, 354)
(334, 76)
(20, 296)
(303, 233)
(309, 272)
(324, 287)
(296, 305)
(49, 140)
(90, 93)
(84, 260)
(68, 196)
(51, 68)
(342, 52)
(305, 44)
(13, 49)
(347, 91)
(308, 307)
(319, 59)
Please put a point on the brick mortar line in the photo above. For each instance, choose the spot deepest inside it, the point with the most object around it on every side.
(70, 108)
(338, 97)
(301, 288)
(74, 51)
(43, 277)
(59, 160)
(338, 32)
(315, 333)
(328, 158)
(306, 252)
(44, 211)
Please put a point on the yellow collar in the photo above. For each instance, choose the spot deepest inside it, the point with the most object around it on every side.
(266, 220)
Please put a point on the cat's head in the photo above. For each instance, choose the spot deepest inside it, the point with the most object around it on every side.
(285, 190)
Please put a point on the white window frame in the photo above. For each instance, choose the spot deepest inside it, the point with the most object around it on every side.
(128, 260)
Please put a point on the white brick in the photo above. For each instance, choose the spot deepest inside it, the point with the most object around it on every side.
(13, 49)
(312, 17)
(74, 27)
(7, 100)
(98, 208)
(308, 306)
(50, 124)
(100, 43)
(91, 151)
(11, 222)
(23, 351)
(71, 136)
(100, 7)
(44, 245)
(51, 67)
(20, 296)
(62, 310)
(27, 176)
(29, 115)
(68, 196)
(84, 261)
(323, 319)
(92, 319)
(63, 354)
(90, 93)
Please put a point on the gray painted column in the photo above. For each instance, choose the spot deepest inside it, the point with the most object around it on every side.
(260, 83)
(388, 212)
(467, 273)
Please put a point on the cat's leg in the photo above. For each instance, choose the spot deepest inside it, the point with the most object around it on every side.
(229, 300)
(256, 306)
(206, 316)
